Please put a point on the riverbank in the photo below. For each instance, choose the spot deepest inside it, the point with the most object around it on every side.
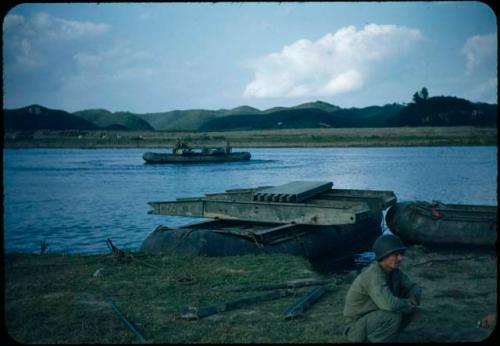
(54, 298)
(326, 137)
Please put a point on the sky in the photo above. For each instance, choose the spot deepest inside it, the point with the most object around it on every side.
(157, 57)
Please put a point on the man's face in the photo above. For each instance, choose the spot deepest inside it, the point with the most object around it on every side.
(392, 261)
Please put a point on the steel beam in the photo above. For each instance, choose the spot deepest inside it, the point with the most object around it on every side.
(298, 213)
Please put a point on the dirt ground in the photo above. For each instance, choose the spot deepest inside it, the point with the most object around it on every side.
(459, 288)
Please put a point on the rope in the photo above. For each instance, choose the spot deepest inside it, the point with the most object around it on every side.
(256, 242)
(300, 241)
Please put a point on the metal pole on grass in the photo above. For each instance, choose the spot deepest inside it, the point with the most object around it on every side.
(129, 324)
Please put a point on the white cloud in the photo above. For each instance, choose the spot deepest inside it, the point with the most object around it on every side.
(485, 90)
(44, 26)
(336, 63)
(346, 81)
(481, 67)
(112, 68)
(30, 41)
(12, 21)
(487, 86)
(480, 50)
(70, 29)
(69, 61)
(117, 55)
(86, 59)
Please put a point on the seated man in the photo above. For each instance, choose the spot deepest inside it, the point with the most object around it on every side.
(382, 299)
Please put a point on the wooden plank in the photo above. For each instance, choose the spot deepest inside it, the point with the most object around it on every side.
(195, 313)
(298, 213)
(384, 198)
(279, 228)
(262, 236)
(281, 232)
(334, 203)
(234, 231)
(360, 193)
(298, 308)
(250, 189)
(192, 208)
(289, 284)
(295, 191)
(230, 196)
(276, 239)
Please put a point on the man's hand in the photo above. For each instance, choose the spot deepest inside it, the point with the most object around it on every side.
(413, 300)
(488, 321)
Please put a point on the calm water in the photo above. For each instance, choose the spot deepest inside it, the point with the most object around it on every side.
(77, 198)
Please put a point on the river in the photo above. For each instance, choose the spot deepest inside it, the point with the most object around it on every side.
(74, 199)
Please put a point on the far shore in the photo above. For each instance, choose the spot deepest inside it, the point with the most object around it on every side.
(324, 137)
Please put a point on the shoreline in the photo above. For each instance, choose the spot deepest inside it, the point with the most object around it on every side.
(285, 138)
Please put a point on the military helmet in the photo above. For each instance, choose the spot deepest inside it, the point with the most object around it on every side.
(387, 244)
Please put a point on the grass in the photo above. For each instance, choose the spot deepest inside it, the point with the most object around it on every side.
(57, 298)
(334, 137)
(455, 294)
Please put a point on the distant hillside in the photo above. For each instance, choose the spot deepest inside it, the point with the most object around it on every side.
(372, 116)
(274, 109)
(118, 120)
(201, 119)
(445, 111)
(241, 110)
(190, 120)
(290, 118)
(317, 105)
(311, 115)
(36, 117)
(423, 111)
(187, 120)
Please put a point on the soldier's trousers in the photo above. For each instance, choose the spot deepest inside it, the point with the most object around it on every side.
(377, 326)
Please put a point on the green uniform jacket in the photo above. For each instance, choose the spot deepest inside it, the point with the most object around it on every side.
(373, 289)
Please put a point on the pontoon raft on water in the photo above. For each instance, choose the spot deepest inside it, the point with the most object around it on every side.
(305, 218)
(437, 223)
(182, 153)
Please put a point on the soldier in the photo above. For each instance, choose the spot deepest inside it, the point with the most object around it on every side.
(177, 147)
(382, 299)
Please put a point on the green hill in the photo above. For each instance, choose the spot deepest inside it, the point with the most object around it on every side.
(284, 119)
(241, 110)
(317, 105)
(309, 115)
(423, 111)
(274, 109)
(372, 116)
(191, 120)
(240, 117)
(118, 120)
(184, 120)
(36, 117)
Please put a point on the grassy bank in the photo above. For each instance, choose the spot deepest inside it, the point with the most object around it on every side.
(332, 137)
(66, 299)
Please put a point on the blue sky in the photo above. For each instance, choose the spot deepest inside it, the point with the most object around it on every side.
(164, 56)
